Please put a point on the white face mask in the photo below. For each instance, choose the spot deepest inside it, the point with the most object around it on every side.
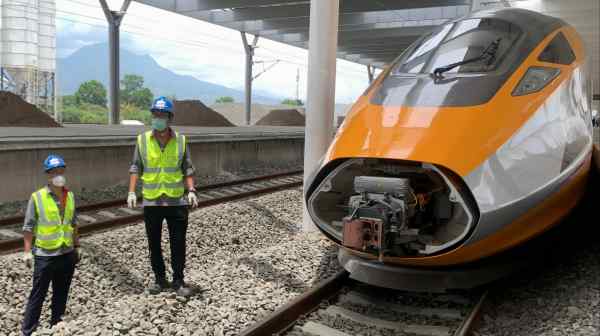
(59, 181)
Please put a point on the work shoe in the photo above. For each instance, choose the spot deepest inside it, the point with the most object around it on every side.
(158, 286)
(181, 289)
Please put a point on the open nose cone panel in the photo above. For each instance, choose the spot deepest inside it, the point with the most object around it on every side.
(391, 208)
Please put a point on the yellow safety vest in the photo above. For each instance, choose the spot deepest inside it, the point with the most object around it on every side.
(162, 168)
(52, 232)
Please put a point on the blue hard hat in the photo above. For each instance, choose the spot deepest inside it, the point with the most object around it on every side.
(162, 104)
(53, 161)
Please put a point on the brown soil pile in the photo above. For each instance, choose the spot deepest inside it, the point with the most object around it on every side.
(16, 112)
(290, 117)
(195, 113)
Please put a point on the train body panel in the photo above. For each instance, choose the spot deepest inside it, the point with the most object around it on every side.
(473, 141)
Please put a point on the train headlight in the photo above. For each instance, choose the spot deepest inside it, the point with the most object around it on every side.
(535, 79)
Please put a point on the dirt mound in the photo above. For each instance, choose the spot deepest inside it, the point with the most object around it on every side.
(236, 112)
(195, 113)
(284, 117)
(16, 112)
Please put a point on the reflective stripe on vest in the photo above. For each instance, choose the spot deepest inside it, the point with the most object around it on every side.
(162, 172)
(52, 232)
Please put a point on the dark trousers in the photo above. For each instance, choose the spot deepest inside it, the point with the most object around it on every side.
(177, 222)
(58, 271)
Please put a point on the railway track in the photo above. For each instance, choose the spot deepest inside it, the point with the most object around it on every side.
(339, 306)
(105, 215)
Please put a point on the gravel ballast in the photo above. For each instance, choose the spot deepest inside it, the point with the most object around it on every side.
(558, 294)
(245, 259)
(562, 299)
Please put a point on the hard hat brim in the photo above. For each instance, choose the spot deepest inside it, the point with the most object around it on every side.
(160, 110)
(49, 169)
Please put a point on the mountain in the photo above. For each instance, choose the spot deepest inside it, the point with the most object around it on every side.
(91, 62)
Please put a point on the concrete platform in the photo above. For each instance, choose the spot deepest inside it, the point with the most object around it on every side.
(14, 138)
(100, 156)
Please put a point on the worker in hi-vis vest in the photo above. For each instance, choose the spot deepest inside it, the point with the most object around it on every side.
(162, 161)
(50, 218)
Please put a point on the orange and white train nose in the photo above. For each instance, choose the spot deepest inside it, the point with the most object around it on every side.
(446, 169)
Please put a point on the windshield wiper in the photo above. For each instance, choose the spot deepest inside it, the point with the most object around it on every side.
(489, 53)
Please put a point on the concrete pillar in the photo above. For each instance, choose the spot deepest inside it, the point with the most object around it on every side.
(114, 19)
(320, 100)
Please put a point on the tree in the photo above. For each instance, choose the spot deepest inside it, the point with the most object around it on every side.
(293, 102)
(132, 112)
(225, 99)
(91, 92)
(133, 91)
(131, 83)
(141, 98)
(69, 100)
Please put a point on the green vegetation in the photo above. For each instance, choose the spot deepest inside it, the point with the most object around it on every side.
(134, 93)
(292, 102)
(91, 92)
(88, 104)
(225, 99)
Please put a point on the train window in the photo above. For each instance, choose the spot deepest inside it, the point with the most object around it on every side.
(558, 51)
(458, 42)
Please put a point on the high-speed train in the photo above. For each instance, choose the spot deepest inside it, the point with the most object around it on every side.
(476, 139)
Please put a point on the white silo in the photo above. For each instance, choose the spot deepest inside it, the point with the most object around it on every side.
(47, 53)
(28, 50)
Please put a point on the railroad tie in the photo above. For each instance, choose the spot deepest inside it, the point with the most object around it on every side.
(205, 196)
(425, 330)
(107, 214)
(238, 189)
(10, 233)
(359, 299)
(319, 329)
(87, 218)
(228, 191)
(217, 194)
(130, 211)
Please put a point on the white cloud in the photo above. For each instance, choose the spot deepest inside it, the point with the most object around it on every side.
(203, 50)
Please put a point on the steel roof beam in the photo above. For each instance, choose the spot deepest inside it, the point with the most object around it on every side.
(353, 27)
(382, 54)
(366, 43)
(374, 48)
(183, 6)
(396, 49)
(252, 13)
(393, 34)
(423, 16)
(399, 32)
(378, 42)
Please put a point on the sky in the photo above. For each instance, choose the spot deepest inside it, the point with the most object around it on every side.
(197, 48)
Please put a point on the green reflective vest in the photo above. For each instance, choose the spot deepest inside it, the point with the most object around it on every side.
(162, 168)
(52, 232)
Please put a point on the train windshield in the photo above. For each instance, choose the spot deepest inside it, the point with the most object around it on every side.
(458, 42)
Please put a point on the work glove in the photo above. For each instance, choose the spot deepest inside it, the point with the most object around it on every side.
(27, 259)
(192, 198)
(131, 200)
